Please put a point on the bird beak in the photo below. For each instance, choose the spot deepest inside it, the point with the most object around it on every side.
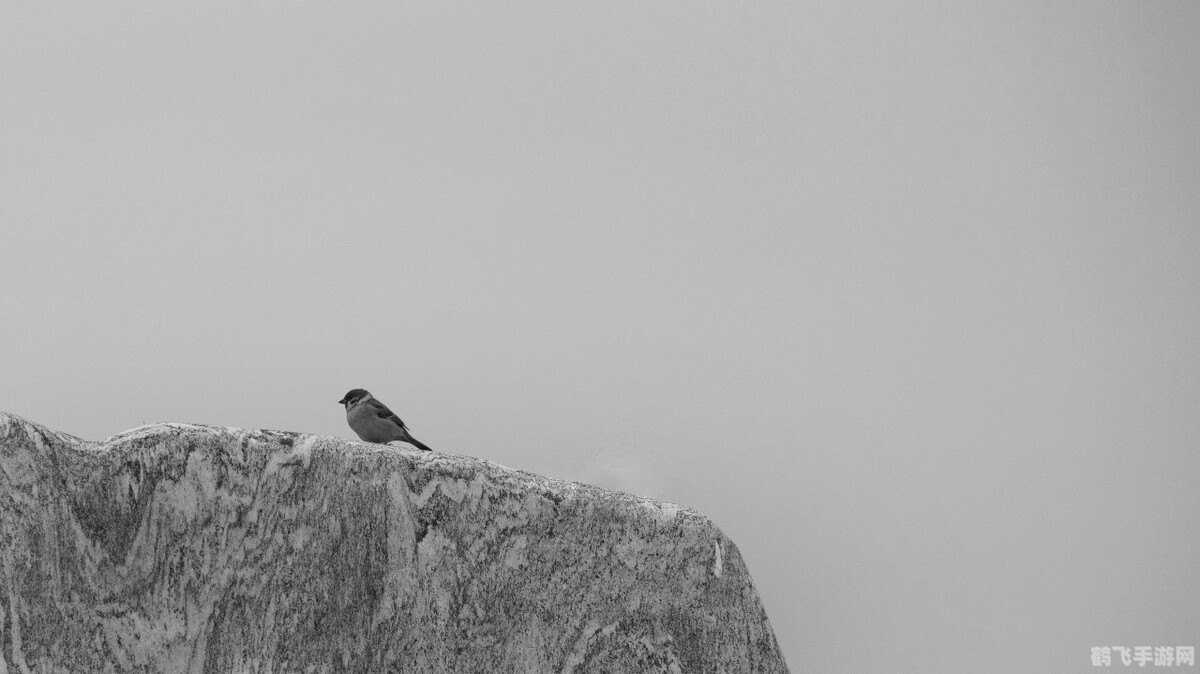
(342, 401)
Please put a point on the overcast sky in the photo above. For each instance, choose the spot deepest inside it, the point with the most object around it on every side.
(904, 298)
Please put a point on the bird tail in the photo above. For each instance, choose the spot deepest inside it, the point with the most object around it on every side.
(415, 442)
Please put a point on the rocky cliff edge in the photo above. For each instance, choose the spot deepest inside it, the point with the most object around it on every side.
(186, 548)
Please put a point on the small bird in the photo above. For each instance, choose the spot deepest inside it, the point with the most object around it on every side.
(374, 422)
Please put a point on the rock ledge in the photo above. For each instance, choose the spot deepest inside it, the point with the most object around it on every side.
(185, 548)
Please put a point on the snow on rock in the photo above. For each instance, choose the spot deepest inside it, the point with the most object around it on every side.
(186, 548)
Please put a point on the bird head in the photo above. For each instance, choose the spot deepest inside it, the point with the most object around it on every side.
(353, 396)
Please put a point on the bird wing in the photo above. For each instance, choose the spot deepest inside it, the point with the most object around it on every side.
(383, 412)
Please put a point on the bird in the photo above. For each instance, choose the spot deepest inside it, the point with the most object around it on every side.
(374, 422)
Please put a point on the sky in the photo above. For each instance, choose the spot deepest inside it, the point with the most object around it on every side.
(905, 298)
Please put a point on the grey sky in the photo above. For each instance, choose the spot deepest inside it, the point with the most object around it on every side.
(904, 298)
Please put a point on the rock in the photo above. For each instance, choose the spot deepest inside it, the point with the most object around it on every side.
(185, 548)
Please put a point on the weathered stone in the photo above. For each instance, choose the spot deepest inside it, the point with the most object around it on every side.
(177, 547)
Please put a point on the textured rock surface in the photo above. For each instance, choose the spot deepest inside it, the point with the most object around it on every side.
(177, 547)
